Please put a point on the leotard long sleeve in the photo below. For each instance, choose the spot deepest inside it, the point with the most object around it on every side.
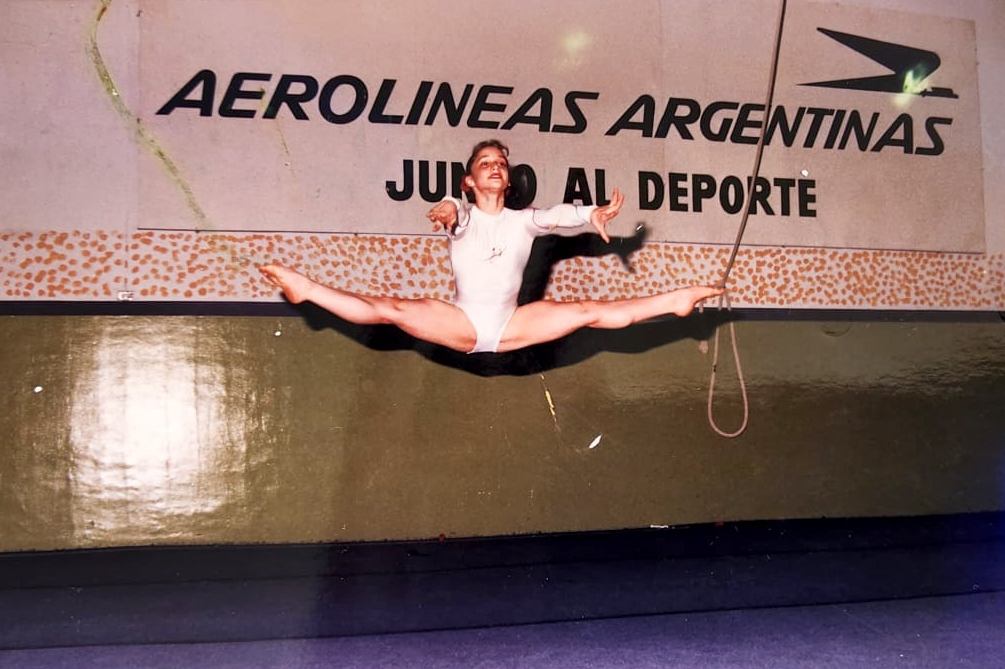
(488, 254)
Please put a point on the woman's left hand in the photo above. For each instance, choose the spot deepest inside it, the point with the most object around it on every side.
(600, 216)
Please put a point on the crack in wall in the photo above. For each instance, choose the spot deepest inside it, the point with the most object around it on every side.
(148, 141)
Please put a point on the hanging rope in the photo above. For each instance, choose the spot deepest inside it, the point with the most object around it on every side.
(724, 297)
(739, 375)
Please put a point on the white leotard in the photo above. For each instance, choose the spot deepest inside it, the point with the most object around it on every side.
(488, 254)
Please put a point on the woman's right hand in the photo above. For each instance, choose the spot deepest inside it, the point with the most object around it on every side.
(443, 215)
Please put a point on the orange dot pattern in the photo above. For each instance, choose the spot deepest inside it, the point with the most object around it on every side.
(208, 266)
(62, 265)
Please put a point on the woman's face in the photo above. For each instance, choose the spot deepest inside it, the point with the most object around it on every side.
(489, 171)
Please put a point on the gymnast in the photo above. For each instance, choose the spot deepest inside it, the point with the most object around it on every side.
(489, 246)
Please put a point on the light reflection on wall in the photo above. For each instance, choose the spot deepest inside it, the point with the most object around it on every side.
(574, 45)
(154, 453)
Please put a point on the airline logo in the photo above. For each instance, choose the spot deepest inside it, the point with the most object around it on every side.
(909, 67)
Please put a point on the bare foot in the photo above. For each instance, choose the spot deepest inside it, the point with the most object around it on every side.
(295, 286)
(686, 299)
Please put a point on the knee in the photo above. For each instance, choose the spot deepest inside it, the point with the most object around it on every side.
(593, 314)
(590, 312)
(607, 315)
(391, 310)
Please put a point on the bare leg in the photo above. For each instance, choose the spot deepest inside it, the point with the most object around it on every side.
(433, 320)
(546, 320)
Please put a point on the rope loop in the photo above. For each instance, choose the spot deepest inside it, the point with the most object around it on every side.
(724, 300)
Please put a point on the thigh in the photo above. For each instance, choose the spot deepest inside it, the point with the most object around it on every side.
(432, 320)
(542, 321)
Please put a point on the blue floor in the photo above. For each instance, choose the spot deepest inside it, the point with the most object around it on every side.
(939, 632)
(894, 592)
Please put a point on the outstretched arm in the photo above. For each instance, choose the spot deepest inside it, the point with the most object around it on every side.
(448, 215)
(443, 215)
(573, 216)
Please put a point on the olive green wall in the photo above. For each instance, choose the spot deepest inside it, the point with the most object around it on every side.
(135, 430)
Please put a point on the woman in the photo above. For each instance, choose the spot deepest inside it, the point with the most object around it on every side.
(489, 247)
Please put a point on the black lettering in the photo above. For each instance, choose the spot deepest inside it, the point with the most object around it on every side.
(807, 197)
(671, 118)
(600, 178)
(817, 116)
(283, 96)
(235, 93)
(835, 130)
(359, 103)
(454, 110)
(572, 106)
(483, 106)
(786, 186)
(407, 186)
(678, 191)
(690, 192)
(731, 195)
(938, 146)
(743, 122)
(780, 122)
(426, 190)
(457, 179)
(650, 190)
(542, 120)
(862, 135)
(709, 114)
(759, 193)
(704, 189)
(377, 114)
(647, 105)
(203, 78)
(577, 187)
(889, 138)
(421, 95)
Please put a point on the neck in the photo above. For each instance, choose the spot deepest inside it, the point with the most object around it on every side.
(490, 203)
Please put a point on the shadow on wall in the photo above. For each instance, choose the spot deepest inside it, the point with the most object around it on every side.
(569, 350)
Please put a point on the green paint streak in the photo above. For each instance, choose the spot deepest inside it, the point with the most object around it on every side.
(147, 139)
(141, 133)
